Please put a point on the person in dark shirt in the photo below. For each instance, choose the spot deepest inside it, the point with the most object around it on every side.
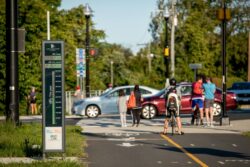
(32, 99)
(136, 111)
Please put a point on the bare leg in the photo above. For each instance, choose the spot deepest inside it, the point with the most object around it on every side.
(35, 109)
(178, 120)
(165, 126)
(32, 108)
(201, 115)
(207, 116)
(211, 116)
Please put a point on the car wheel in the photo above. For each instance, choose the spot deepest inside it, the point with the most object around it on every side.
(92, 111)
(148, 111)
(217, 109)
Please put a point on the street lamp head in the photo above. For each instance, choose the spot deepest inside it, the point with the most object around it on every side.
(166, 14)
(87, 10)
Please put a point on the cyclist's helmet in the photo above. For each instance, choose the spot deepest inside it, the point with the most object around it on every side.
(172, 82)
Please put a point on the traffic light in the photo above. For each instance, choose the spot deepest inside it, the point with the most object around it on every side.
(93, 52)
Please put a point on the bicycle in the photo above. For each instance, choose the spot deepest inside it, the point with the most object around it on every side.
(172, 121)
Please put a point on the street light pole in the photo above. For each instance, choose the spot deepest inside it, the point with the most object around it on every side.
(166, 49)
(87, 43)
(224, 15)
(12, 91)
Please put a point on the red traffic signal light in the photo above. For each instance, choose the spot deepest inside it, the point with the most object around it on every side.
(93, 52)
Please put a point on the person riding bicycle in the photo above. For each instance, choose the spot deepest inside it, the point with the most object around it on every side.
(173, 103)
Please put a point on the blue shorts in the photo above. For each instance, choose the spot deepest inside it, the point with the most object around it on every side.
(198, 102)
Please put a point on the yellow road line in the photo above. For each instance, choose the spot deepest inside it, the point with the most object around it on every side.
(185, 151)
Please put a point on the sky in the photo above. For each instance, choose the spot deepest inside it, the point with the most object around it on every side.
(125, 22)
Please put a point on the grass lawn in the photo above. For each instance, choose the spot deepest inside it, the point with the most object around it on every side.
(246, 134)
(20, 142)
(44, 164)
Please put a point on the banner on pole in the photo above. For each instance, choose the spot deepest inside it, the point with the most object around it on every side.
(80, 62)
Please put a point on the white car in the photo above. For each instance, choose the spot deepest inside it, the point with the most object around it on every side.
(107, 102)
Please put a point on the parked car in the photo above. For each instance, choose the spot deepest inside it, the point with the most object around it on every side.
(107, 102)
(155, 105)
(242, 91)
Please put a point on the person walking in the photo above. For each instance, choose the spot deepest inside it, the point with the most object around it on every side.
(197, 100)
(209, 89)
(32, 100)
(122, 107)
(78, 93)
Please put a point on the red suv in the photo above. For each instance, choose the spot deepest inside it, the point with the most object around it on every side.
(155, 104)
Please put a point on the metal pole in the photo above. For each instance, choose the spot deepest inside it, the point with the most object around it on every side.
(248, 78)
(172, 52)
(87, 56)
(12, 97)
(166, 54)
(112, 73)
(224, 118)
(48, 25)
(224, 77)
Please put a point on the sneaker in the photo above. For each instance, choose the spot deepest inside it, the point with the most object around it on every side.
(202, 122)
(212, 126)
(180, 133)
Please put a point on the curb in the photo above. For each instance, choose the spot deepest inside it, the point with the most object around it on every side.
(8, 160)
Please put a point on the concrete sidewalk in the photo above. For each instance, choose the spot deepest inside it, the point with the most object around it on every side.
(111, 124)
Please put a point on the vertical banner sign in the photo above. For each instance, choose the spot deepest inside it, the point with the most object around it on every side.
(80, 63)
(53, 96)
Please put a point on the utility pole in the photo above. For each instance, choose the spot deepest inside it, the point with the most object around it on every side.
(111, 73)
(12, 91)
(172, 49)
(248, 78)
(148, 55)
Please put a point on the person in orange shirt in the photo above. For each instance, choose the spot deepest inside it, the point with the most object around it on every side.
(197, 100)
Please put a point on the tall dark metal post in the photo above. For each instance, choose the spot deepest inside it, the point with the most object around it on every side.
(166, 50)
(12, 97)
(87, 16)
(224, 15)
(224, 76)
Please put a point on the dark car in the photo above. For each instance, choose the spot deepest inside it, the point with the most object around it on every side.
(242, 92)
(155, 105)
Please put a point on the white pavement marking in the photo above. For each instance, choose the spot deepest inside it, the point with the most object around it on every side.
(234, 145)
(192, 145)
(123, 139)
(220, 162)
(127, 145)
(174, 162)
(159, 162)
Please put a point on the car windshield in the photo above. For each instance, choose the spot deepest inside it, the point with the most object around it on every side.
(106, 92)
(241, 86)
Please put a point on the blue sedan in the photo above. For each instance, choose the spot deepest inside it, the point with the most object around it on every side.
(107, 102)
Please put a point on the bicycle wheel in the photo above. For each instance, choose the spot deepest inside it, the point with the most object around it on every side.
(172, 123)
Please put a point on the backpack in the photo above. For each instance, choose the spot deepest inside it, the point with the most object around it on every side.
(172, 102)
(197, 88)
(131, 101)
